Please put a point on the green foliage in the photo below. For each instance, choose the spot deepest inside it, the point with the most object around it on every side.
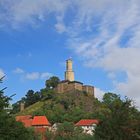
(110, 98)
(12, 130)
(32, 108)
(31, 98)
(67, 131)
(47, 94)
(121, 122)
(16, 107)
(71, 106)
(4, 100)
(9, 128)
(52, 82)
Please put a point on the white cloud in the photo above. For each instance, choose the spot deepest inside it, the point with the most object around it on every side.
(45, 75)
(18, 71)
(131, 88)
(32, 76)
(16, 13)
(60, 27)
(112, 75)
(115, 45)
(37, 75)
(2, 73)
(99, 93)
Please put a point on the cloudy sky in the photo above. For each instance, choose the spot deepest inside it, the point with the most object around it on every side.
(102, 37)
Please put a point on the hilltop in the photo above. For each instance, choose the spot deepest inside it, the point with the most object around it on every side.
(59, 107)
(66, 100)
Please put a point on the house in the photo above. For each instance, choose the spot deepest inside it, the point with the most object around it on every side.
(39, 123)
(27, 123)
(88, 125)
(26, 120)
(36, 122)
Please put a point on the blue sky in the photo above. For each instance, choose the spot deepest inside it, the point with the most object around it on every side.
(102, 37)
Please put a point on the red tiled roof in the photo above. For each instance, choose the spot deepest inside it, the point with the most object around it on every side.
(40, 120)
(20, 118)
(87, 122)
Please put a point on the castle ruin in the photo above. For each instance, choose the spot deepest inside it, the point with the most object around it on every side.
(69, 84)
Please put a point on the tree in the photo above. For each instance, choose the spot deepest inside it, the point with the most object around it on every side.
(9, 128)
(52, 82)
(109, 98)
(31, 98)
(47, 94)
(4, 100)
(121, 122)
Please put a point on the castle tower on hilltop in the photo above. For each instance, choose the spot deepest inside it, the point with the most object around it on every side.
(69, 84)
(69, 74)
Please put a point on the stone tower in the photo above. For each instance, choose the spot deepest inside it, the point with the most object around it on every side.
(22, 105)
(69, 74)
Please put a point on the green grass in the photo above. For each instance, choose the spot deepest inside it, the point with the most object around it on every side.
(31, 109)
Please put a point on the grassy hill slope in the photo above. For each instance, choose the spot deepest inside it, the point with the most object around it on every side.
(31, 109)
(60, 107)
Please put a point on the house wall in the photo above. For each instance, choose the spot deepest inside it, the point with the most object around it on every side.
(42, 126)
(89, 129)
